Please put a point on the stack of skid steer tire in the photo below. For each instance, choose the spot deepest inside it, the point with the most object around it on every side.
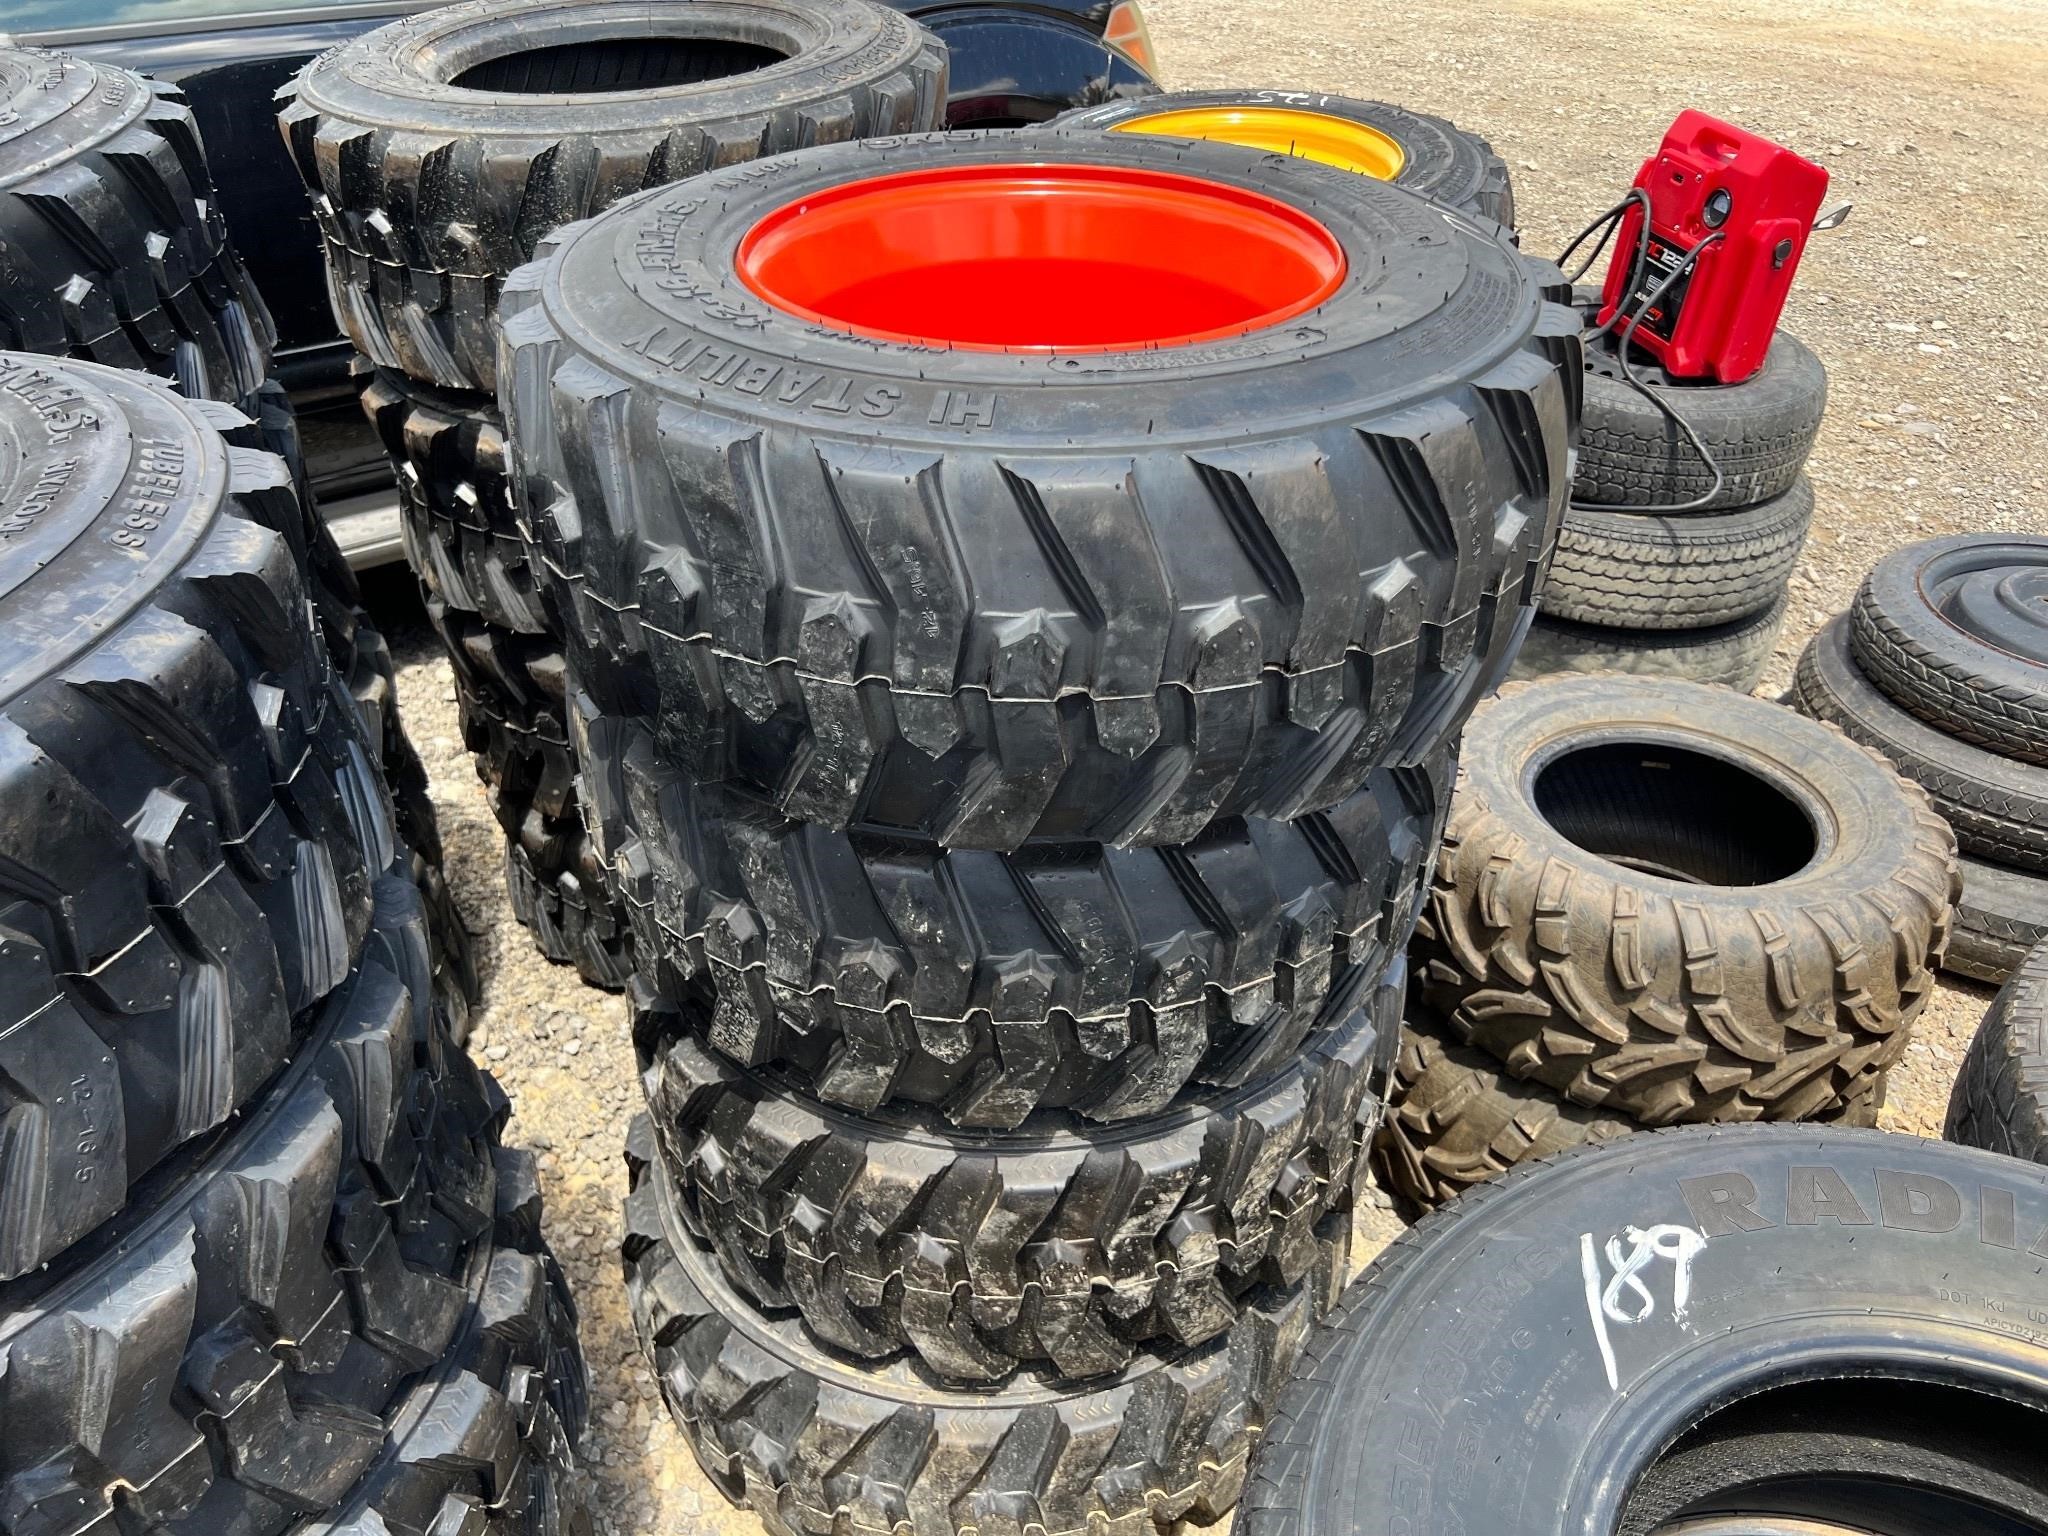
(1659, 903)
(1021, 808)
(1941, 665)
(437, 151)
(264, 1267)
(1697, 594)
(113, 250)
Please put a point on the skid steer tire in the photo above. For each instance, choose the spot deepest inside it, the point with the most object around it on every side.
(990, 986)
(335, 1316)
(1438, 160)
(989, 597)
(1679, 903)
(440, 148)
(1057, 1242)
(816, 1445)
(1806, 1340)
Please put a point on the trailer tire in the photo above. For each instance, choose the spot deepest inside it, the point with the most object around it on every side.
(2002, 915)
(2001, 1095)
(1732, 655)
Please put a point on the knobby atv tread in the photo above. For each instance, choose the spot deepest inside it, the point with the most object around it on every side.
(816, 1447)
(1694, 570)
(992, 985)
(817, 606)
(1059, 1242)
(337, 1316)
(1439, 160)
(1964, 686)
(427, 194)
(1998, 807)
(2002, 916)
(195, 816)
(2000, 1102)
(1670, 1001)
(1732, 655)
(1760, 431)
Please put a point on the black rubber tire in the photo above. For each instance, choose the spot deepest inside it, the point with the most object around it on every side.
(2002, 915)
(336, 1316)
(427, 192)
(993, 985)
(2000, 1101)
(193, 816)
(1872, 1274)
(1759, 431)
(1999, 808)
(816, 1445)
(1060, 1242)
(1626, 570)
(1732, 655)
(1956, 631)
(896, 623)
(1440, 161)
(1774, 973)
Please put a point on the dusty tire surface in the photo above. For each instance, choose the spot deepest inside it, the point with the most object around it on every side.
(1868, 1358)
(1439, 160)
(439, 148)
(815, 1445)
(1956, 631)
(989, 985)
(2001, 1094)
(336, 1315)
(1732, 655)
(1759, 432)
(1998, 807)
(1627, 570)
(1680, 903)
(1058, 1242)
(2002, 915)
(824, 588)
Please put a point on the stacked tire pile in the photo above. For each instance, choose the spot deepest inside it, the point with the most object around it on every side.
(1020, 757)
(113, 251)
(1697, 592)
(1941, 664)
(1659, 903)
(437, 151)
(264, 1267)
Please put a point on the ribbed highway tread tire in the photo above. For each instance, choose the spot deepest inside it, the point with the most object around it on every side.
(1759, 432)
(1690, 571)
(1059, 1242)
(194, 817)
(1783, 996)
(1732, 655)
(993, 985)
(337, 1316)
(2000, 1102)
(816, 1447)
(1964, 685)
(1439, 160)
(1998, 807)
(992, 615)
(427, 194)
(2002, 916)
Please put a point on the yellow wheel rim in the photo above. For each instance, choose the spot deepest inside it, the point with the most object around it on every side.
(1310, 135)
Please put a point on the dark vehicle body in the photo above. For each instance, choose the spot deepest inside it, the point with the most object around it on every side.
(1012, 63)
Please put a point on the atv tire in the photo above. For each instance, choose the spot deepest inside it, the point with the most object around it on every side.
(1438, 160)
(816, 1445)
(1679, 903)
(880, 592)
(1732, 655)
(439, 148)
(2001, 1095)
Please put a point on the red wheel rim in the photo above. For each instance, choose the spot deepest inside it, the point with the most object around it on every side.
(1041, 258)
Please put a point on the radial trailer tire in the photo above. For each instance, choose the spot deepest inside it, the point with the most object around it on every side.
(1732, 655)
(991, 597)
(439, 148)
(2002, 915)
(2000, 1101)
(1823, 1329)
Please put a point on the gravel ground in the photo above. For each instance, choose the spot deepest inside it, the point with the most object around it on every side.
(1931, 119)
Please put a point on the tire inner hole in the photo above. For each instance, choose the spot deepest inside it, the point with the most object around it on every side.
(1675, 813)
(616, 64)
